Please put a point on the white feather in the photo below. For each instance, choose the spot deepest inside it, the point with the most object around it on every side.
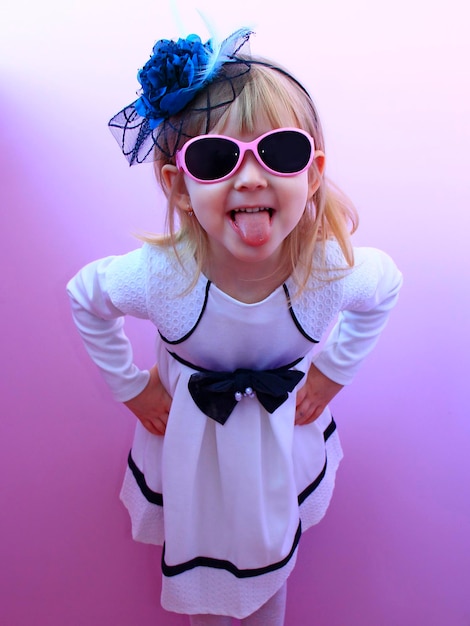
(224, 51)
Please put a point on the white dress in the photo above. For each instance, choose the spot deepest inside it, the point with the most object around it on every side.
(229, 501)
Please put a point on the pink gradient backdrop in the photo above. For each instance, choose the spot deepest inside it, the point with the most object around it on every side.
(391, 83)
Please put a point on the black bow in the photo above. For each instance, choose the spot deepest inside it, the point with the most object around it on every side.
(217, 393)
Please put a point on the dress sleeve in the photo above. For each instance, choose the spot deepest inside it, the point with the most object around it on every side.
(370, 291)
(101, 294)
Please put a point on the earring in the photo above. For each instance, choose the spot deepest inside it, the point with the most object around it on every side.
(189, 210)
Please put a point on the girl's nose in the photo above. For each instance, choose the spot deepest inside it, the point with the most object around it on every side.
(250, 174)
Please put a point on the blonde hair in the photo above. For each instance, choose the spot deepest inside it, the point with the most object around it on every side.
(328, 215)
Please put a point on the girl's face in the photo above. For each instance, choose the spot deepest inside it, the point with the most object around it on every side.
(248, 215)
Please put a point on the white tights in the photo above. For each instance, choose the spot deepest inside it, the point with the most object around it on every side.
(270, 614)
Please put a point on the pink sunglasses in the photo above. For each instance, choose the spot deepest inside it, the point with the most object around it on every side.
(213, 158)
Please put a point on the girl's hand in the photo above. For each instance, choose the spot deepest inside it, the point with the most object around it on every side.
(152, 405)
(314, 396)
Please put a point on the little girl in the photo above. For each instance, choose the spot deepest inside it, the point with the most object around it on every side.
(235, 450)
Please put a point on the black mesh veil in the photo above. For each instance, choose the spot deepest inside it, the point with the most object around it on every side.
(140, 143)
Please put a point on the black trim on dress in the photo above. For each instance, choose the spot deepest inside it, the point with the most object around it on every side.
(203, 369)
(311, 488)
(189, 333)
(152, 496)
(296, 321)
(203, 561)
(329, 430)
(156, 498)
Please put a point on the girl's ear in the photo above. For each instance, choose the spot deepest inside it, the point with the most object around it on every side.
(174, 184)
(316, 173)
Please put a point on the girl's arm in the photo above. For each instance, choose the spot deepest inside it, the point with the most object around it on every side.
(370, 293)
(100, 321)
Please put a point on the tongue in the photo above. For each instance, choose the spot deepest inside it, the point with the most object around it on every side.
(254, 228)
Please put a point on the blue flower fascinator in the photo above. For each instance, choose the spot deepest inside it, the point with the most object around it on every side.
(171, 79)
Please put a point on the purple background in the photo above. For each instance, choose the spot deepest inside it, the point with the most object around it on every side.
(391, 84)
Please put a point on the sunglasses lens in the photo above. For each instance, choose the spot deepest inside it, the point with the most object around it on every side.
(286, 151)
(211, 158)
